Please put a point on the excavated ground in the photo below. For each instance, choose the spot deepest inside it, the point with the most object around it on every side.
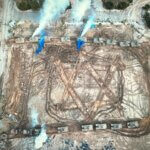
(101, 82)
(65, 85)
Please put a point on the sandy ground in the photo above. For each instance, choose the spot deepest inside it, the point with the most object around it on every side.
(9, 12)
(132, 14)
(82, 141)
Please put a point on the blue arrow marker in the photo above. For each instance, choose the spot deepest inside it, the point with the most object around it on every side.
(41, 43)
(79, 43)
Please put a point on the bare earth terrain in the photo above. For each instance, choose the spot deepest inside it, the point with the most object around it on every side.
(88, 100)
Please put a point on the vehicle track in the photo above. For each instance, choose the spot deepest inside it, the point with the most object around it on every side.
(115, 126)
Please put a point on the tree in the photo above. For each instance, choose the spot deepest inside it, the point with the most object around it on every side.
(29, 4)
(122, 5)
(69, 7)
(108, 5)
(146, 7)
(130, 1)
(24, 5)
(34, 5)
(147, 19)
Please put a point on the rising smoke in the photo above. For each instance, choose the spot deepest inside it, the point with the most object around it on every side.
(34, 117)
(79, 9)
(41, 42)
(51, 11)
(88, 25)
(42, 138)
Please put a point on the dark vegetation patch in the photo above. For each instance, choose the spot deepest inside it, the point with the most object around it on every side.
(32, 4)
(69, 7)
(146, 7)
(147, 19)
(120, 5)
(29, 4)
(1, 85)
(109, 5)
(146, 15)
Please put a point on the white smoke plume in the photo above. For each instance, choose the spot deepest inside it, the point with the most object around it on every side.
(34, 117)
(51, 10)
(41, 139)
(79, 9)
(88, 25)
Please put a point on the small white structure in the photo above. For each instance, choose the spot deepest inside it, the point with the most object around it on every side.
(34, 39)
(133, 124)
(12, 23)
(25, 132)
(101, 126)
(65, 39)
(122, 44)
(109, 42)
(41, 138)
(96, 40)
(102, 40)
(37, 131)
(62, 129)
(12, 117)
(13, 131)
(115, 126)
(135, 44)
(114, 42)
(3, 137)
(127, 43)
(20, 40)
(2, 145)
(87, 128)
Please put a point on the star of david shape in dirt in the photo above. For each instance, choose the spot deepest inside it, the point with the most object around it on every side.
(74, 99)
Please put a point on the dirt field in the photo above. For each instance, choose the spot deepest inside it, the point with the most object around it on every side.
(65, 85)
(106, 80)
